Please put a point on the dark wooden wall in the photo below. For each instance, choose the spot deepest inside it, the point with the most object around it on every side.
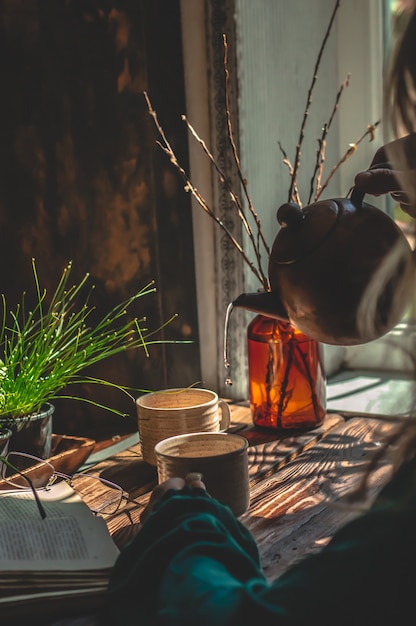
(82, 179)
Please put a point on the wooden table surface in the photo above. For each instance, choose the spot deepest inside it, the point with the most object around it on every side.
(297, 485)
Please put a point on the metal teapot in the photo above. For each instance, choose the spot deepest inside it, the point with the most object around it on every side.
(340, 270)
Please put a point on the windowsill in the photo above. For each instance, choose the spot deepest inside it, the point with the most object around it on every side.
(105, 452)
(349, 392)
(371, 392)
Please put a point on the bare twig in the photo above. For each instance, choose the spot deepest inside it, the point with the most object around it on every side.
(245, 209)
(237, 159)
(351, 149)
(167, 148)
(286, 161)
(235, 200)
(320, 157)
(308, 103)
(320, 163)
(257, 239)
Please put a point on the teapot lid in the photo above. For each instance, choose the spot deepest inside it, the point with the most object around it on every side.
(302, 230)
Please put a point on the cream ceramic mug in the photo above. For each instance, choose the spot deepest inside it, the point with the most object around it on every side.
(221, 459)
(169, 412)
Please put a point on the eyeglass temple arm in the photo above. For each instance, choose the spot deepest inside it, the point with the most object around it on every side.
(109, 483)
(39, 504)
(126, 497)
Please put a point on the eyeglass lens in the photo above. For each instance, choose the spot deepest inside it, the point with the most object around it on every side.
(37, 470)
(101, 496)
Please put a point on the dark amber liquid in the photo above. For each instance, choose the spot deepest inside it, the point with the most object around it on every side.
(286, 376)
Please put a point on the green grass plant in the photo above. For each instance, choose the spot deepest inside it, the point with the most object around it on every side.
(48, 348)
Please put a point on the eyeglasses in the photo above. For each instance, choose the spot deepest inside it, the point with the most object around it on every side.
(24, 471)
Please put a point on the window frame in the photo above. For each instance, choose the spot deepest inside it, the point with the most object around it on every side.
(360, 39)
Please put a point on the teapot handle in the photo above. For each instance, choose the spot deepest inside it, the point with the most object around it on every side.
(357, 198)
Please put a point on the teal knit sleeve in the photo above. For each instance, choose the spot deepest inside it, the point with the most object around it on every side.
(194, 564)
(187, 534)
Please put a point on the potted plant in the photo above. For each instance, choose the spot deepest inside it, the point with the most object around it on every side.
(47, 349)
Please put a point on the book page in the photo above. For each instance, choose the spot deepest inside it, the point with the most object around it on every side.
(70, 538)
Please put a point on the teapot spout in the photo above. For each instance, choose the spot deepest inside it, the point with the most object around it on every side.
(263, 303)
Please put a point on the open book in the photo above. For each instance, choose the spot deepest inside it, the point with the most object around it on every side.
(68, 554)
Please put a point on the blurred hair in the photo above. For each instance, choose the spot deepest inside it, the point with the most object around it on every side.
(400, 98)
(401, 91)
(387, 292)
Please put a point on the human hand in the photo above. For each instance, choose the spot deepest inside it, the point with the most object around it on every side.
(192, 480)
(393, 170)
(124, 535)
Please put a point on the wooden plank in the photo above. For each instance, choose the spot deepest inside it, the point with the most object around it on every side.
(269, 451)
(292, 512)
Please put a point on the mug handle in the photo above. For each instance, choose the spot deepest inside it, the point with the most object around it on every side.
(225, 414)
